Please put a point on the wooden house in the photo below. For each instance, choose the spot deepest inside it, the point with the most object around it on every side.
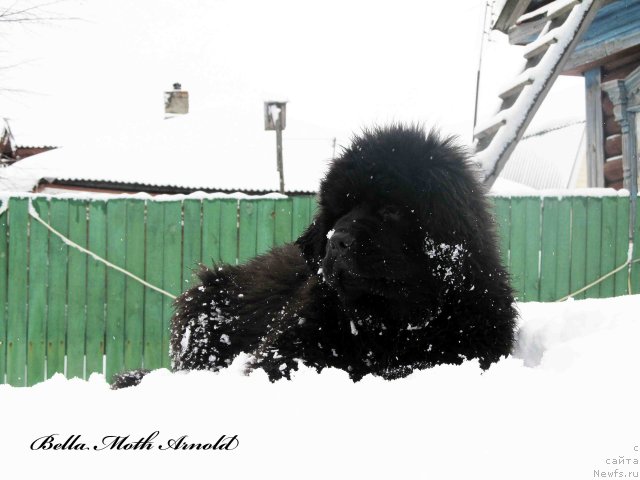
(597, 39)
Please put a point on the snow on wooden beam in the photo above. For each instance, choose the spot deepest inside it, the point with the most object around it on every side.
(512, 10)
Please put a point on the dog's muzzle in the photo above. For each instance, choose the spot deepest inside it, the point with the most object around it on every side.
(337, 266)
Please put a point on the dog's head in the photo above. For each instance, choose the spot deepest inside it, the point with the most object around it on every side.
(373, 249)
(378, 205)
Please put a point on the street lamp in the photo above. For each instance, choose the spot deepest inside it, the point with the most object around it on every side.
(275, 118)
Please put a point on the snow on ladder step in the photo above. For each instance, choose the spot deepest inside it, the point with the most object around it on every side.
(564, 22)
(516, 88)
(490, 129)
(537, 48)
(548, 11)
(534, 16)
(556, 9)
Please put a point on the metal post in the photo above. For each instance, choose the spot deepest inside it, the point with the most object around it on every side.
(279, 152)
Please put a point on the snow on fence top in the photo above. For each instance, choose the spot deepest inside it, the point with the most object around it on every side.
(93, 196)
(562, 193)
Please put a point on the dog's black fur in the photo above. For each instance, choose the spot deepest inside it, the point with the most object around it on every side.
(398, 271)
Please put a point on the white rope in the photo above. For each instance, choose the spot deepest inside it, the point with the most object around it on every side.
(604, 277)
(631, 261)
(71, 243)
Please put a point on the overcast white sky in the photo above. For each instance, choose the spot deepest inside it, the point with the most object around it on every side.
(342, 64)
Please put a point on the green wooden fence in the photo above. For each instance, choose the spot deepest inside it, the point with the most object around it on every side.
(63, 311)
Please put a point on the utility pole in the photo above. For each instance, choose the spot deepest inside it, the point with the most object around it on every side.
(484, 33)
(275, 118)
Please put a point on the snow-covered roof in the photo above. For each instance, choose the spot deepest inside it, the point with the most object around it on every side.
(221, 148)
(36, 132)
(505, 187)
(217, 149)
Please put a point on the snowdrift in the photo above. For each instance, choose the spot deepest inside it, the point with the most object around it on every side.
(566, 405)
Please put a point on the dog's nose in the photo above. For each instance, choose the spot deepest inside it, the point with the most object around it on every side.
(341, 241)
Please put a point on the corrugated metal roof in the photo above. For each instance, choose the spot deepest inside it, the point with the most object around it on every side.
(61, 183)
(549, 158)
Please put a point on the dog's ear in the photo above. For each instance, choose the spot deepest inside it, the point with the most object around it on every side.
(313, 241)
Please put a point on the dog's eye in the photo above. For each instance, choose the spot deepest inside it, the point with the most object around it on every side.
(390, 212)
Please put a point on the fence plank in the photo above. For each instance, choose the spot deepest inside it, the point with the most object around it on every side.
(77, 290)
(284, 221)
(17, 292)
(57, 292)
(621, 244)
(563, 250)
(229, 231)
(96, 287)
(503, 221)
(153, 305)
(211, 231)
(134, 290)
(578, 244)
(192, 243)
(311, 211)
(313, 208)
(608, 245)
(517, 242)
(532, 250)
(116, 254)
(4, 250)
(248, 230)
(594, 245)
(172, 270)
(301, 213)
(266, 226)
(37, 309)
(549, 242)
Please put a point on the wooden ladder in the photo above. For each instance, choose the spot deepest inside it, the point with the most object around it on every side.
(560, 25)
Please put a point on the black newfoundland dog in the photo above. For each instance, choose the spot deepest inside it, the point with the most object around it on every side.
(398, 271)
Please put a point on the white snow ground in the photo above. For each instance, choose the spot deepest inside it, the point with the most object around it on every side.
(567, 407)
